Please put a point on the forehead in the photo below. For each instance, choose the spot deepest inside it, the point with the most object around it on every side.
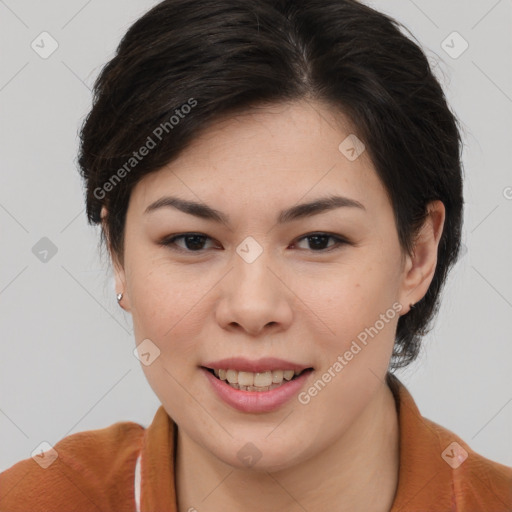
(268, 155)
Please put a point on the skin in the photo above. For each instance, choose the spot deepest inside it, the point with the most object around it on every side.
(294, 302)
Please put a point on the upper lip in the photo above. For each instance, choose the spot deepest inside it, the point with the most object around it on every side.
(256, 365)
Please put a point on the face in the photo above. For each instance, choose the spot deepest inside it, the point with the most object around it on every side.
(258, 290)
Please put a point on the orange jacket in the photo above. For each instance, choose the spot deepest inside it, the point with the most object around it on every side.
(126, 467)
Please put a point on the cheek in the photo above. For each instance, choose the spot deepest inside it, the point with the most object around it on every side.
(161, 296)
(164, 306)
(352, 294)
(359, 306)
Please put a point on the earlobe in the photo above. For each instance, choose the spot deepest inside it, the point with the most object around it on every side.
(119, 274)
(421, 265)
(120, 286)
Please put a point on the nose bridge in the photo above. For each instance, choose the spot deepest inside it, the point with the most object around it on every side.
(252, 274)
(253, 297)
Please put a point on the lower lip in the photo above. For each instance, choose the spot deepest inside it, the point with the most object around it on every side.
(257, 401)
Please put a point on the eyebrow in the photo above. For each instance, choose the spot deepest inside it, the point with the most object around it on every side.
(299, 211)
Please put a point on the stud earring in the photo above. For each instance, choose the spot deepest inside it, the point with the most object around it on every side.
(119, 297)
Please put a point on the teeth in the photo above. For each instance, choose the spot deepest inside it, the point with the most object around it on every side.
(231, 376)
(259, 381)
(263, 379)
(246, 378)
(277, 376)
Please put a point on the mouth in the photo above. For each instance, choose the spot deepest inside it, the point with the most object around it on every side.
(256, 381)
(256, 386)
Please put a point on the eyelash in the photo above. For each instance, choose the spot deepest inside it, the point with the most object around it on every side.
(170, 241)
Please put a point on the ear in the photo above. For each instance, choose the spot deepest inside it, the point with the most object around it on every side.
(419, 268)
(119, 273)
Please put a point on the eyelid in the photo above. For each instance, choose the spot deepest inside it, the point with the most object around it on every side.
(169, 242)
(340, 241)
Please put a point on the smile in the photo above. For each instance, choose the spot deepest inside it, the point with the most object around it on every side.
(255, 381)
(259, 386)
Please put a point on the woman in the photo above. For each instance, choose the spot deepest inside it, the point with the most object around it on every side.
(279, 187)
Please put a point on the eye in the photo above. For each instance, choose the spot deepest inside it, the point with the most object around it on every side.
(318, 241)
(194, 242)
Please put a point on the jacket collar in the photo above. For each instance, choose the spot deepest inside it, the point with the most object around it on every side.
(424, 477)
(157, 462)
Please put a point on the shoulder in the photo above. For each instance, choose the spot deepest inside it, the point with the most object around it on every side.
(439, 471)
(90, 470)
(477, 482)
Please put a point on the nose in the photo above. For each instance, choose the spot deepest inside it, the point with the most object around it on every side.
(254, 298)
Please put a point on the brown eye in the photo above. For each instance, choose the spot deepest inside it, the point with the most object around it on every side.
(192, 242)
(318, 242)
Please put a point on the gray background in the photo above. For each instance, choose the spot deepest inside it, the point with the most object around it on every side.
(67, 363)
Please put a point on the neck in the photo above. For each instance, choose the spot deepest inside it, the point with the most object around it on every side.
(358, 473)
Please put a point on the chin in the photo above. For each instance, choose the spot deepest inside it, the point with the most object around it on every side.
(260, 456)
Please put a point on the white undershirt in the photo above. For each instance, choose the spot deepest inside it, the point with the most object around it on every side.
(137, 483)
